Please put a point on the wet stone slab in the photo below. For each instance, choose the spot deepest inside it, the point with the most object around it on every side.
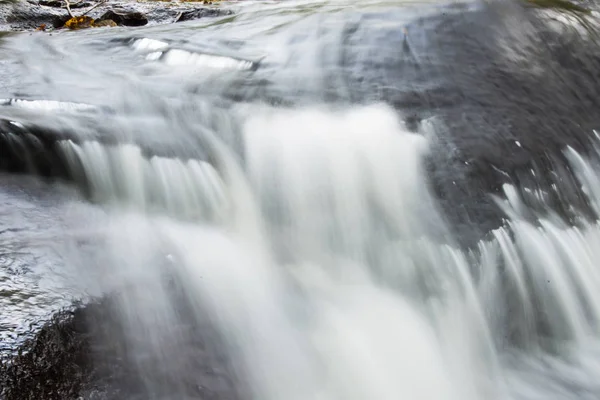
(32, 286)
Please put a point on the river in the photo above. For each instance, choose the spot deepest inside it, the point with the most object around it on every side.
(356, 199)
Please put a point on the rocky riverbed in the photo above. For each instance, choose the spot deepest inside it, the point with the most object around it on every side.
(47, 15)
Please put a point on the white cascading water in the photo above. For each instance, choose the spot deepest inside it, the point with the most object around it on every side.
(308, 235)
(330, 273)
(188, 188)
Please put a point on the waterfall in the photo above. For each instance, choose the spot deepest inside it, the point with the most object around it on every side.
(327, 268)
(329, 200)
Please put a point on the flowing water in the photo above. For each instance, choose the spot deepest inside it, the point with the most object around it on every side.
(267, 163)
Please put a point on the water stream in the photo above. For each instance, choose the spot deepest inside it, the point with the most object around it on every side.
(270, 165)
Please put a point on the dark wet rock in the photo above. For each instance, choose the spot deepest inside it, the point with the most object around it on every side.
(82, 352)
(25, 16)
(30, 149)
(48, 3)
(29, 146)
(125, 17)
(504, 102)
(188, 15)
(53, 365)
(61, 4)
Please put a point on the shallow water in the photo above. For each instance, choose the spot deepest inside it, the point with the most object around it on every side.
(34, 276)
(367, 200)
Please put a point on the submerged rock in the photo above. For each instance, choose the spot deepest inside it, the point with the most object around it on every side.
(55, 364)
(83, 353)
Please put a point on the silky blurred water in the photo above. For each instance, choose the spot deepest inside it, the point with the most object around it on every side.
(289, 167)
